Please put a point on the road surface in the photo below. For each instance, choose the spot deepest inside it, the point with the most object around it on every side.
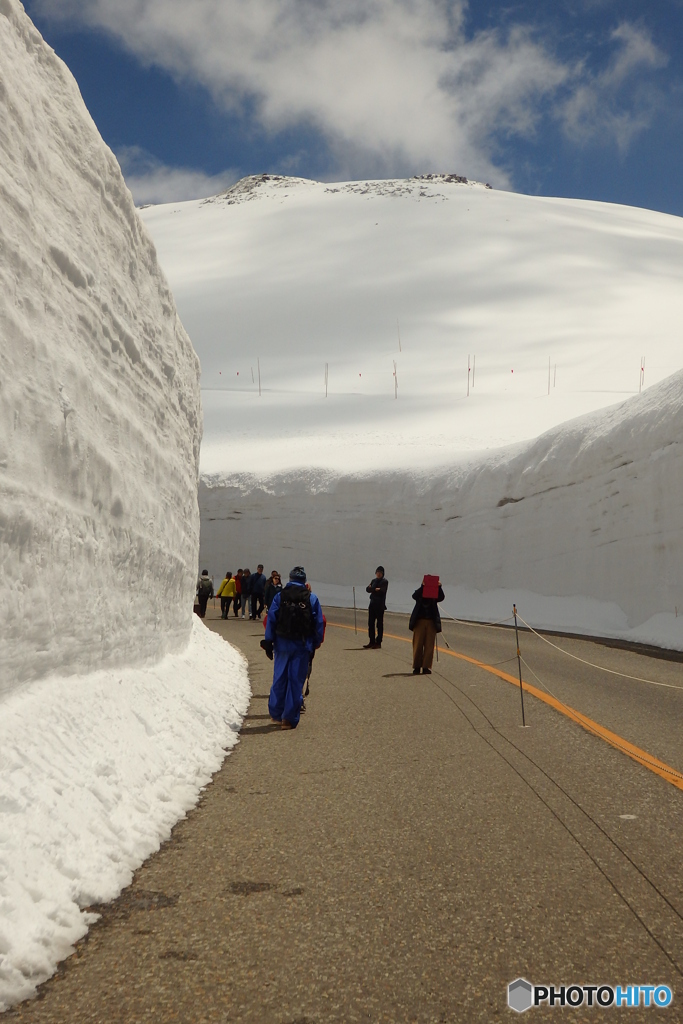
(409, 849)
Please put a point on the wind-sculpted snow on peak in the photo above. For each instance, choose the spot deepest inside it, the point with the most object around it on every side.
(100, 415)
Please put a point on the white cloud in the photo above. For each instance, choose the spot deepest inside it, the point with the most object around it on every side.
(394, 86)
(150, 181)
(598, 105)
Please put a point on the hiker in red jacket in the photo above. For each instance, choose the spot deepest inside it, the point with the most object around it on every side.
(425, 623)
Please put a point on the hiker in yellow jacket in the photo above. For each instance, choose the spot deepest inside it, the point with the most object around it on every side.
(227, 592)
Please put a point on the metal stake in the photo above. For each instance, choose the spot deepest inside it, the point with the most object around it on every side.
(519, 663)
(355, 623)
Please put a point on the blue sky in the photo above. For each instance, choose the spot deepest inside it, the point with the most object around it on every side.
(580, 99)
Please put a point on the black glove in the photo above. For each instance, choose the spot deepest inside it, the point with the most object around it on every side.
(267, 646)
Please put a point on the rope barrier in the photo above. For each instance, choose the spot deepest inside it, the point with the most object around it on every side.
(661, 767)
(481, 625)
(601, 668)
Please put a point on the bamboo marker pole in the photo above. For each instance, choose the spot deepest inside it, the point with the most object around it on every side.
(258, 363)
(395, 381)
(355, 623)
(252, 375)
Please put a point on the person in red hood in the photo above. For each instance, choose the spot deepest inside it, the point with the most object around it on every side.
(425, 623)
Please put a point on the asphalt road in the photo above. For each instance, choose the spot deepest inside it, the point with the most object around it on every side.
(408, 850)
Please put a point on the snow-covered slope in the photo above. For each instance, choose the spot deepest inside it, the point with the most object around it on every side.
(297, 274)
(581, 527)
(114, 706)
(100, 415)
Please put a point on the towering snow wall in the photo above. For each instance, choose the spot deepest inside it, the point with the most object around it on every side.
(100, 417)
(582, 525)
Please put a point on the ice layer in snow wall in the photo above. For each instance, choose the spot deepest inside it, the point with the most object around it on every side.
(100, 413)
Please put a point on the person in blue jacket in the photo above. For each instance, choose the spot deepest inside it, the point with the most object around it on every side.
(293, 631)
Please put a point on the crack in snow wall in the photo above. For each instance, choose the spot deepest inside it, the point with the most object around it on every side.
(590, 510)
(100, 413)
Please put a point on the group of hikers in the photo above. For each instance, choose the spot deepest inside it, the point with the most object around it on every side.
(295, 626)
(245, 592)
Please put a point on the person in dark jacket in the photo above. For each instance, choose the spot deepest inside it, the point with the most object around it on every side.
(377, 589)
(246, 590)
(237, 602)
(273, 587)
(204, 592)
(425, 623)
(294, 630)
(258, 586)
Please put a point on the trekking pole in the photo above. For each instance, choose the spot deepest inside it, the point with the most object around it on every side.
(519, 664)
(355, 623)
(437, 648)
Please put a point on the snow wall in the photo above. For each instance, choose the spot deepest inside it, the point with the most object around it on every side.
(116, 703)
(100, 413)
(582, 526)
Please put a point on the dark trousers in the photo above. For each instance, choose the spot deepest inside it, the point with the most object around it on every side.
(225, 607)
(203, 601)
(256, 605)
(375, 616)
(236, 604)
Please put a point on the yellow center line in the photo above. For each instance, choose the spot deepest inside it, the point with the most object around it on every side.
(641, 756)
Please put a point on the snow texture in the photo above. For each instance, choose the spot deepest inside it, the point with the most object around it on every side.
(581, 527)
(95, 771)
(100, 413)
(116, 703)
(291, 274)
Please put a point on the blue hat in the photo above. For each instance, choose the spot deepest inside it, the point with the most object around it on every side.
(298, 574)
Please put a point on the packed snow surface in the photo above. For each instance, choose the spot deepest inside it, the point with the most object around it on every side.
(289, 275)
(115, 704)
(96, 769)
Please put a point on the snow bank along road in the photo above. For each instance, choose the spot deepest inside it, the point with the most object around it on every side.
(585, 521)
(408, 851)
(114, 707)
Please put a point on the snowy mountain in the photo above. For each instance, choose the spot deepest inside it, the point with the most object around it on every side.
(291, 275)
(560, 301)
(114, 704)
